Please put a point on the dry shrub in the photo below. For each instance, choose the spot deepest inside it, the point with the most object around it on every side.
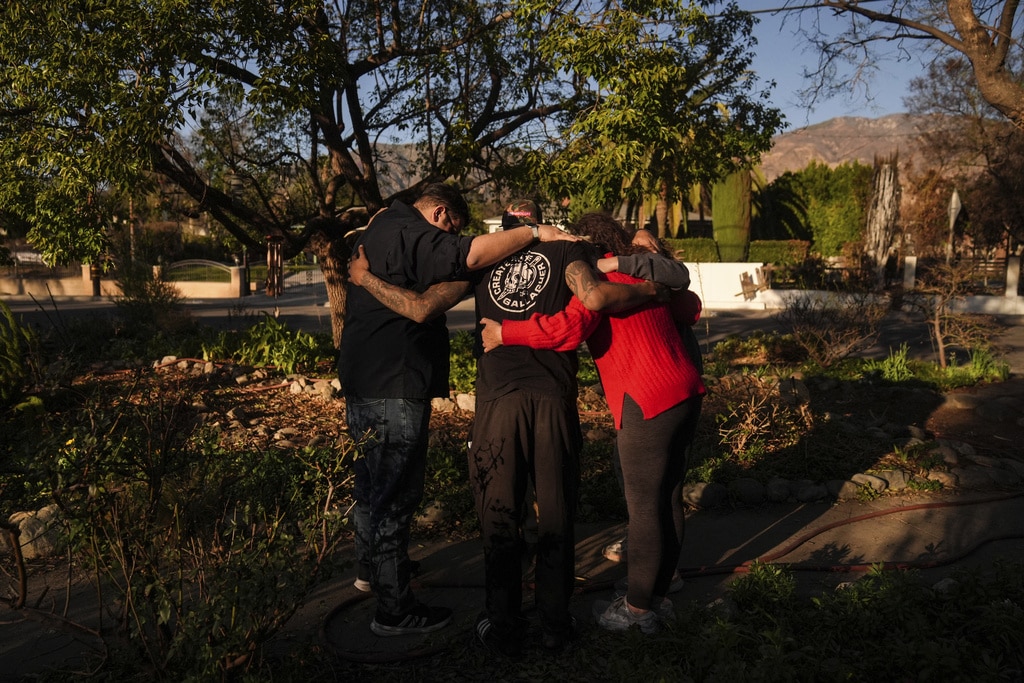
(831, 327)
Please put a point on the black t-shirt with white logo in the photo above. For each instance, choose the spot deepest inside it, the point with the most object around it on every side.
(530, 281)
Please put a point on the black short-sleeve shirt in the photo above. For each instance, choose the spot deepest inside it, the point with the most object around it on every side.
(384, 354)
(530, 281)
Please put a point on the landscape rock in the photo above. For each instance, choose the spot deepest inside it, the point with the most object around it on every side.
(433, 513)
(973, 477)
(811, 492)
(41, 534)
(442, 405)
(877, 484)
(466, 402)
(705, 495)
(842, 489)
(747, 491)
(948, 480)
(777, 490)
(896, 480)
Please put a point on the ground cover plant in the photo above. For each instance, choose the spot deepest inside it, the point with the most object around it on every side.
(191, 501)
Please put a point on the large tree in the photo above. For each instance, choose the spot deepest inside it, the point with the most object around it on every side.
(986, 32)
(270, 114)
(973, 149)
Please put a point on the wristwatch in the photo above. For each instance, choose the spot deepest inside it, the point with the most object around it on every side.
(536, 231)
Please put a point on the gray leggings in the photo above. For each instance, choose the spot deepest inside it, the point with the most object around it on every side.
(652, 454)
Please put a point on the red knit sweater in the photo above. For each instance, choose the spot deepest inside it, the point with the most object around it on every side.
(637, 352)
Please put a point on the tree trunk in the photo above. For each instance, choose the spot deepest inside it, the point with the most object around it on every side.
(333, 250)
(988, 49)
(883, 212)
(661, 216)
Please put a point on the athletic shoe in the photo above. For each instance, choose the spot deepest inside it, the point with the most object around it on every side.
(555, 642)
(493, 642)
(665, 608)
(616, 552)
(420, 619)
(618, 617)
(676, 584)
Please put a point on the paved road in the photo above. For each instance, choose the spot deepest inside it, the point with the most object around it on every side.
(305, 309)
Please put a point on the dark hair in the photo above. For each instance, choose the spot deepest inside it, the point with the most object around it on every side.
(448, 196)
(607, 234)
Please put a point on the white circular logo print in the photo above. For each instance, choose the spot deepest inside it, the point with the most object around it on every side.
(517, 281)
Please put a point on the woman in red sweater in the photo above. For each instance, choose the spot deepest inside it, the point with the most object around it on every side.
(654, 392)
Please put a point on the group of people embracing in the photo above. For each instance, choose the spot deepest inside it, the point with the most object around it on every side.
(540, 292)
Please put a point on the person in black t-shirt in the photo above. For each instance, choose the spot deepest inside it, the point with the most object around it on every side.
(391, 366)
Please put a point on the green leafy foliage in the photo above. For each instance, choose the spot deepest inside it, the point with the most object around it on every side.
(836, 200)
(270, 342)
(779, 253)
(462, 370)
(694, 249)
(892, 368)
(16, 342)
(653, 127)
(779, 210)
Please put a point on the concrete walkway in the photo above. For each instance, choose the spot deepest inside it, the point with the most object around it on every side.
(824, 544)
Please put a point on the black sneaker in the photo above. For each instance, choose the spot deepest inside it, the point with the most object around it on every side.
(420, 619)
(555, 642)
(488, 636)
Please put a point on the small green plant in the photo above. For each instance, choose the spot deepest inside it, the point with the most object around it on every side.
(866, 493)
(983, 367)
(919, 484)
(272, 343)
(893, 368)
(767, 588)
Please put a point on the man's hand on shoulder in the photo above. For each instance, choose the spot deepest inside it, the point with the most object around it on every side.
(549, 233)
(358, 267)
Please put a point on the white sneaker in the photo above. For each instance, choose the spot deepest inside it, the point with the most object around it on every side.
(618, 617)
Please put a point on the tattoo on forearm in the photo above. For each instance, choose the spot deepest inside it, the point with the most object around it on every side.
(415, 306)
(397, 299)
(581, 281)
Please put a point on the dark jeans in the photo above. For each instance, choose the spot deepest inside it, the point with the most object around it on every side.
(389, 475)
(516, 438)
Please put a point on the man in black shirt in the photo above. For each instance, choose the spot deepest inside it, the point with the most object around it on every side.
(390, 367)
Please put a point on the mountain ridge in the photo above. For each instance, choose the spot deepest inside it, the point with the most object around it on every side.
(842, 139)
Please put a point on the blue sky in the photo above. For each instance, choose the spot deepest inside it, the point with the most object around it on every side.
(782, 56)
